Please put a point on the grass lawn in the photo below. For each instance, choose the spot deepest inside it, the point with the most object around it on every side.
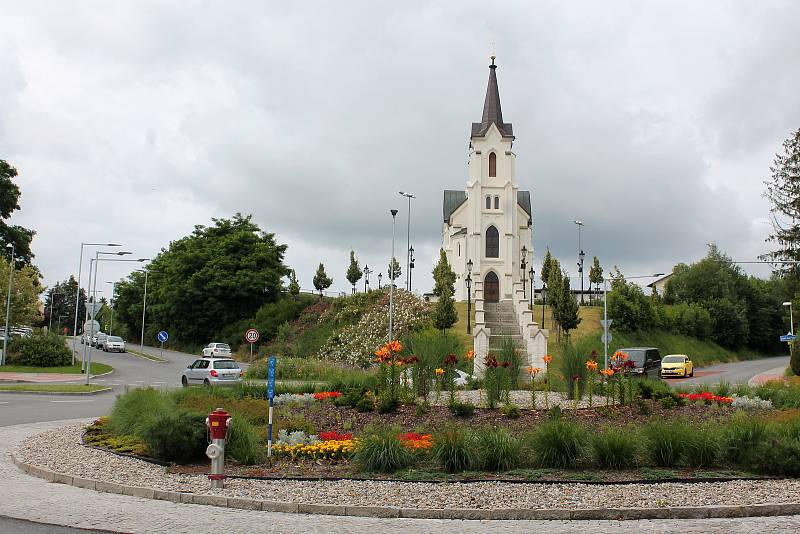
(460, 328)
(97, 368)
(53, 388)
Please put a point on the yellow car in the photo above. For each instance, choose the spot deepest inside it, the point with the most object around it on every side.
(676, 365)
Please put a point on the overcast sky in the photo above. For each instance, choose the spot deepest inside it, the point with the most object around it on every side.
(655, 123)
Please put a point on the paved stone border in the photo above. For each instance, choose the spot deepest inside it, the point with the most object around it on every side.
(34, 392)
(563, 514)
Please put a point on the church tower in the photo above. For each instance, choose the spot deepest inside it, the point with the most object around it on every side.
(490, 221)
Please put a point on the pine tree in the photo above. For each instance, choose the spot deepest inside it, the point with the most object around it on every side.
(596, 275)
(444, 313)
(568, 318)
(393, 266)
(294, 286)
(783, 192)
(555, 292)
(321, 280)
(547, 265)
(353, 271)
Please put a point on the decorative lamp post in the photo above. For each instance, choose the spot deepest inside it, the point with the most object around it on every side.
(52, 301)
(544, 299)
(532, 274)
(366, 278)
(523, 265)
(380, 275)
(791, 316)
(8, 304)
(409, 250)
(410, 266)
(582, 255)
(391, 274)
(468, 280)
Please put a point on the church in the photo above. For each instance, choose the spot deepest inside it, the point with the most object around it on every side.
(487, 234)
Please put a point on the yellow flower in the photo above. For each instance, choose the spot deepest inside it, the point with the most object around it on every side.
(439, 371)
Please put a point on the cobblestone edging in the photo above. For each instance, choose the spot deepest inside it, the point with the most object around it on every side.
(683, 512)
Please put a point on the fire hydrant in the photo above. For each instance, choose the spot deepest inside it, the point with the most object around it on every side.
(218, 422)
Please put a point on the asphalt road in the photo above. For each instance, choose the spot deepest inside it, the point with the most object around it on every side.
(18, 526)
(735, 372)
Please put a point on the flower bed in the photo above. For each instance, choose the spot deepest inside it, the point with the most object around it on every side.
(706, 397)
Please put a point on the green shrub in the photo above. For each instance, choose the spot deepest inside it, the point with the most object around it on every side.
(572, 365)
(650, 388)
(388, 404)
(178, 437)
(133, 410)
(461, 408)
(499, 449)
(366, 404)
(782, 394)
(668, 402)
(382, 451)
(616, 449)
(779, 455)
(453, 449)
(509, 353)
(40, 350)
(290, 422)
(703, 446)
(742, 438)
(666, 442)
(430, 346)
(558, 444)
(723, 389)
(794, 359)
(242, 442)
(511, 411)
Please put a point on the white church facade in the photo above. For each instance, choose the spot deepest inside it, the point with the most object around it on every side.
(488, 226)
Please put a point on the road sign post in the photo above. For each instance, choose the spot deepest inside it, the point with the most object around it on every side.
(606, 337)
(788, 338)
(251, 336)
(270, 395)
(162, 337)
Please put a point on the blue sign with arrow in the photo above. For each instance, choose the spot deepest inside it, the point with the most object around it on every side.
(163, 336)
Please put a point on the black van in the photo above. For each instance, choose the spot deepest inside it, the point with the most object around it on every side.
(647, 360)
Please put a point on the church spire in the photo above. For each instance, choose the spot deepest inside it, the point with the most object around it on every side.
(492, 112)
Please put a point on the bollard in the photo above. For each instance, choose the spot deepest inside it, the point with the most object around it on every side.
(218, 422)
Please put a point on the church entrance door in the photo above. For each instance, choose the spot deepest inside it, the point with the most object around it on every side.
(491, 288)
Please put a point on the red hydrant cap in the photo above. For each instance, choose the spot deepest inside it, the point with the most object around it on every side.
(218, 423)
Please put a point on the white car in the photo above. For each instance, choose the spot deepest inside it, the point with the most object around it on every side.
(114, 344)
(213, 372)
(215, 350)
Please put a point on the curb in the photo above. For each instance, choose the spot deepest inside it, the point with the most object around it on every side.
(149, 358)
(556, 514)
(79, 393)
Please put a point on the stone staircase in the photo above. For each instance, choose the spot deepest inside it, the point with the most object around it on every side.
(502, 323)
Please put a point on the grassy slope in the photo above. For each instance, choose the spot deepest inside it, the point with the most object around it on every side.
(97, 368)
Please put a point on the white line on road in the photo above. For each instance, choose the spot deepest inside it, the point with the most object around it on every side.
(5, 402)
(86, 400)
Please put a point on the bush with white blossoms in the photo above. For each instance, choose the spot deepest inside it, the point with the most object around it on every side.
(293, 398)
(751, 403)
(298, 437)
(356, 344)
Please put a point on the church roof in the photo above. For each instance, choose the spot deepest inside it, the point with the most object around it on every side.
(454, 199)
(492, 113)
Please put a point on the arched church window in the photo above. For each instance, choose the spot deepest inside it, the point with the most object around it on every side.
(488, 202)
(492, 164)
(492, 242)
(496, 202)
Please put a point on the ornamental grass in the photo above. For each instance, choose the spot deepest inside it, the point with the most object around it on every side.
(381, 451)
(500, 450)
(454, 450)
(614, 448)
(558, 444)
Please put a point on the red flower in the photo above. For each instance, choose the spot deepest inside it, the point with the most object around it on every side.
(491, 361)
(506, 364)
(322, 395)
(335, 436)
(451, 359)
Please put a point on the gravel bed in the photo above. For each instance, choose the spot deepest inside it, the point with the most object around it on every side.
(521, 398)
(60, 450)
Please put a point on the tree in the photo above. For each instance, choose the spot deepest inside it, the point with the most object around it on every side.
(555, 293)
(205, 281)
(294, 286)
(443, 275)
(25, 292)
(628, 306)
(567, 315)
(783, 192)
(321, 280)
(444, 313)
(60, 300)
(9, 202)
(547, 266)
(794, 358)
(394, 268)
(353, 271)
(596, 274)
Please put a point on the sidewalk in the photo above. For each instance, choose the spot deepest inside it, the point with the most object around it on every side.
(40, 378)
(34, 499)
(763, 378)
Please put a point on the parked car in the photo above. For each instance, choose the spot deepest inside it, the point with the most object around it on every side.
(676, 365)
(113, 344)
(646, 361)
(213, 372)
(217, 350)
(99, 339)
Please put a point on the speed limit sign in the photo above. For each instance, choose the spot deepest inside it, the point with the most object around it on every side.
(252, 335)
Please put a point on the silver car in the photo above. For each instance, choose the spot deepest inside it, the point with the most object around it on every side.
(213, 372)
(113, 344)
(217, 350)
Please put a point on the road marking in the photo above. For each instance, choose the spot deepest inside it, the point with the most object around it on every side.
(5, 402)
(86, 400)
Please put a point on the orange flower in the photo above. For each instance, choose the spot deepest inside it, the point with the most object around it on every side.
(439, 371)
(470, 354)
(395, 346)
(619, 356)
(534, 370)
(591, 365)
(607, 372)
(547, 359)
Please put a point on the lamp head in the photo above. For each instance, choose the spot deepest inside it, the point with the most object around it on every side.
(582, 255)
(469, 266)
(787, 303)
(393, 212)
(524, 250)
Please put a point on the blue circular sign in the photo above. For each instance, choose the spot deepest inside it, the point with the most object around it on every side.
(163, 336)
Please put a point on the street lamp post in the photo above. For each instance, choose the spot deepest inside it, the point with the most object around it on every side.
(78, 290)
(468, 281)
(581, 255)
(111, 305)
(366, 278)
(59, 321)
(544, 299)
(605, 308)
(532, 274)
(409, 250)
(6, 334)
(791, 315)
(410, 266)
(52, 301)
(380, 275)
(523, 265)
(144, 307)
(391, 275)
